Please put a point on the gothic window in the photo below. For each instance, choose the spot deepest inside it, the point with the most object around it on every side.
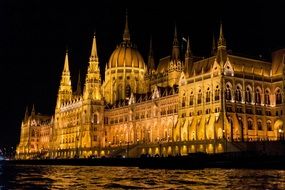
(278, 97)
(238, 94)
(258, 112)
(95, 119)
(228, 92)
(191, 98)
(268, 113)
(229, 109)
(249, 124)
(268, 125)
(217, 93)
(199, 97)
(248, 95)
(257, 96)
(208, 95)
(259, 125)
(267, 97)
(33, 133)
(239, 110)
(128, 91)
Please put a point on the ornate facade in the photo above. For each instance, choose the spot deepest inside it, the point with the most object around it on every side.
(186, 104)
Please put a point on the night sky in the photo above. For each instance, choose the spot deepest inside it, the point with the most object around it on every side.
(35, 34)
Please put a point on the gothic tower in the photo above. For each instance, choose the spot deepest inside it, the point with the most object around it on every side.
(65, 89)
(175, 65)
(92, 88)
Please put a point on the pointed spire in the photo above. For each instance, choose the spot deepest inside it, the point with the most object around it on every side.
(222, 41)
(65, 89)
(93, 79)
(94, 55)
(188, 52)
(126, 35)
(222, 48)
(26, 113)
(175, 40)
(175, 46)
(78, 89)
(150, 63)
(214, 48)
(33, 110)
(188, 59)
(66, 64)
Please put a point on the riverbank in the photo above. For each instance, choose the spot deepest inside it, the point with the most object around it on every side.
(250, 160)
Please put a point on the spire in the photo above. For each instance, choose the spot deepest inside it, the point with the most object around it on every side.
(175, 46)
(93, 79)
(66, 64)
(33, 110)
(26, 113)
(126, 35)
(175, 40)
(65, 89)
(188, 59)
(222, 48)
(94, 55)
(222, 41)
(78, 89)
(150, 63)
(188, 52)
(214, 48)
(65, 77)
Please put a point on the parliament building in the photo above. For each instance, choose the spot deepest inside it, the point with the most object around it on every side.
(182, 104)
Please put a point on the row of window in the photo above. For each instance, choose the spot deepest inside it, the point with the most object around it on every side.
(248, 95)
(250, 125)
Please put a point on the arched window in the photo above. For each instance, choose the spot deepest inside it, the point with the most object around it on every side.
(278, 97)
(259, 125)
(238, 94)
(249, 124)
(128, 91)
(183, 100)
(267, 97)
(228, 92)
(217, 93)
(191, 98)
(257, 96)
(268, 125)
(199, 97)
(208, 95)
(248, 95)
(95, 119)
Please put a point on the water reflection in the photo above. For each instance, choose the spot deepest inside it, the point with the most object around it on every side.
(86, 177)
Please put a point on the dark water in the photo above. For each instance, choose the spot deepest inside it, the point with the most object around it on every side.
(99, 177)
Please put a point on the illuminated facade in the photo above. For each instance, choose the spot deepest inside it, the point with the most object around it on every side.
(186, 104)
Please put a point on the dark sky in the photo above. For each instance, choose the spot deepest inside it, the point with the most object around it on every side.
(34, 36)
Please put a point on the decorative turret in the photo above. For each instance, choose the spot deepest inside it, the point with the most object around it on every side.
(93, 78)
(188, 59)
(150, 63)
(65, 89)
(175, 46)
(222, 48)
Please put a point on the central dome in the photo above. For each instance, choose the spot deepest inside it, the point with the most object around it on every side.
(126, 55)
